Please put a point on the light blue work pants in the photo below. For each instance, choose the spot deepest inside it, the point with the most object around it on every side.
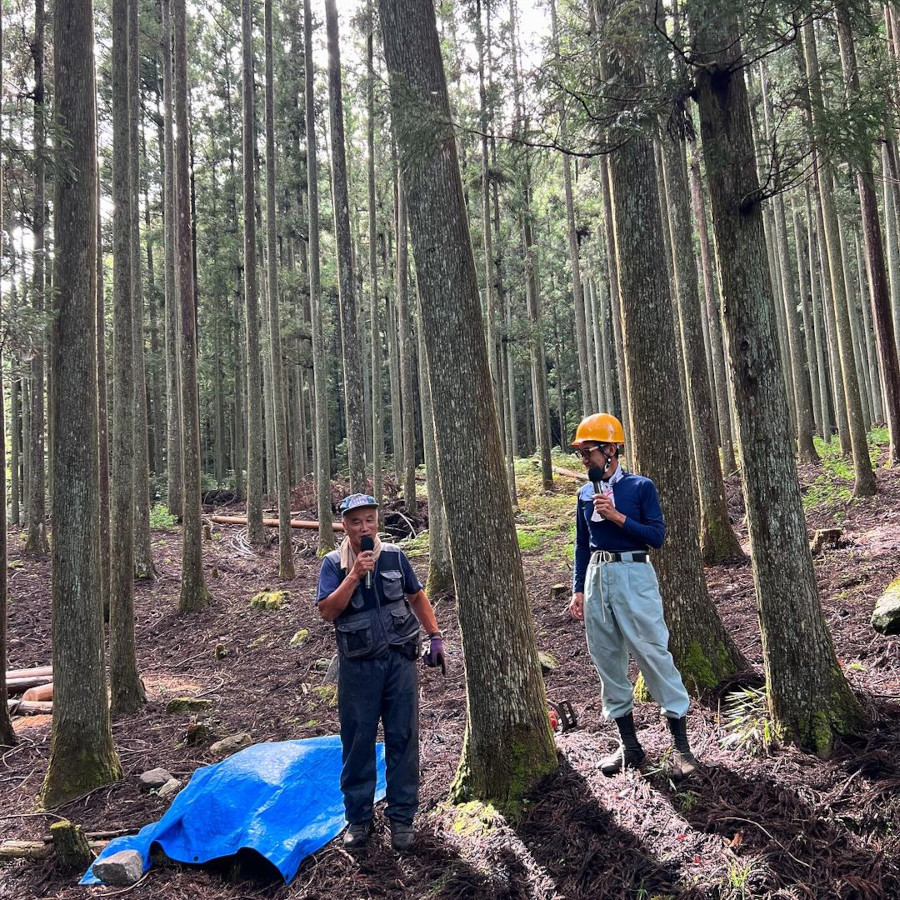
(623, 611)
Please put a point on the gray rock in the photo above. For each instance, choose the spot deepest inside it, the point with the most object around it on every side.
(154, 779)
(232, 744)
(170, 788)
(331, 676)
(886, 618)
(124, 867)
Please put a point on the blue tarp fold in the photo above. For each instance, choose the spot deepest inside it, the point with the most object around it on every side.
(282, 800)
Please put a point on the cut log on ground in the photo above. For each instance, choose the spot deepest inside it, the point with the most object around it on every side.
(581, 476)
(28, 707)
(27, 673)
(26, 682)
(42, 693)
(37, 849)
(272, 523)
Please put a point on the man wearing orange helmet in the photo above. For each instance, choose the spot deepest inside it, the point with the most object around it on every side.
(616, 593)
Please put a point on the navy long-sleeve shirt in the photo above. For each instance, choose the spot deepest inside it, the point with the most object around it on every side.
(636, 498)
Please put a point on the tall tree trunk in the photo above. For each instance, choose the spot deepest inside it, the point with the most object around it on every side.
(174, 488)
(817, 334)
(255, 433)
(702, 649)
(377, 356)
(36, 538)
(103, 424)
(82, 756)
(864, 485)
(127, 691)
(621, 409)
(280, 420)
(507, 746)
(809, 698)
(194, 594)
(881, 301)
(320, 385)
(729, 463)
(718, 542)
(7, 733)
(405, 355)
(143, 553)
(15, 392)
(353, 376)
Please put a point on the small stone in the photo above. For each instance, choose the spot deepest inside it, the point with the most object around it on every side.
(170, 788)
(886, 618)
(231, 744)
(188, 705)
(154, 779)
(321, 665)
(270, 599)
(124, 867)
(331, 674)
(221, 651)
(548, 662)
(301, 635)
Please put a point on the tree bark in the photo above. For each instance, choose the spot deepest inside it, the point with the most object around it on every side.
(729, 463)
(36, 538)
(174, 487)
(194, 594)
(7, 733)
(718, 542)
(255, 400)
(280, 420)
(809, 698)
(405, 356)
(353, 376)
(143, 553)
(507, 746)
(320, 386)
(127, 691)
(82, 756)
(703, 651)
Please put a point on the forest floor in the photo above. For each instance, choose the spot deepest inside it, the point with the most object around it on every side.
(757, 821)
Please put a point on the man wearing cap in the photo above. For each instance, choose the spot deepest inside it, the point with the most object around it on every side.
(616, 593)
(369, 591)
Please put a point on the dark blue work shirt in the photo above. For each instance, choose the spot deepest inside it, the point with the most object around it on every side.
(392, 564)
(636, 498)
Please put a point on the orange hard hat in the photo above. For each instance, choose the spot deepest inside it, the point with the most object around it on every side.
(600, 428)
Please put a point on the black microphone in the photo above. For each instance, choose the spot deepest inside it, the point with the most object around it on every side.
(595, 474)
(366, 544)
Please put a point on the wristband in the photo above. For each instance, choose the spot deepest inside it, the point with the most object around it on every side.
(436, 634)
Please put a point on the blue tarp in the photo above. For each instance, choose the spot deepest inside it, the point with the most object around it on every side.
(282, 800)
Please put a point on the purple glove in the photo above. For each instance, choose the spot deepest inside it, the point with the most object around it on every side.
(434, 656)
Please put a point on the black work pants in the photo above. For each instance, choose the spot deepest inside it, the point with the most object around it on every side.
(368, 690)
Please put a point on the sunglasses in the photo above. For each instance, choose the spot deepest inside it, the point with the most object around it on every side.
(586, 452)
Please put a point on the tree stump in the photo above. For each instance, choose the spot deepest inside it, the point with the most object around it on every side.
(71, 846)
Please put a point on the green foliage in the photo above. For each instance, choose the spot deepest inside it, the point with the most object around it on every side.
(747, 720)
(161, 519)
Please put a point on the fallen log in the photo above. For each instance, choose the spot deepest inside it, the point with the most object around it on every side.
(38, 849)
(27, 673)
(29, 707)
(272, 523)
(42, 693)
(569, 473)
(24, 683)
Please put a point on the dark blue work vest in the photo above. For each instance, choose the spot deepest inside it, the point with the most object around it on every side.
(380, 618)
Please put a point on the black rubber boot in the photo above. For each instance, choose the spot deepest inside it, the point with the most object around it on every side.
(682, 762)
(629, 754)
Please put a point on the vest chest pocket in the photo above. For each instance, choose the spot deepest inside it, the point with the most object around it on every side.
(355, 638)
(392, 584)
(406, 625)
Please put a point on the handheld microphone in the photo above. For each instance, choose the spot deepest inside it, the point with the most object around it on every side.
(595, 474)
(366, 544)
